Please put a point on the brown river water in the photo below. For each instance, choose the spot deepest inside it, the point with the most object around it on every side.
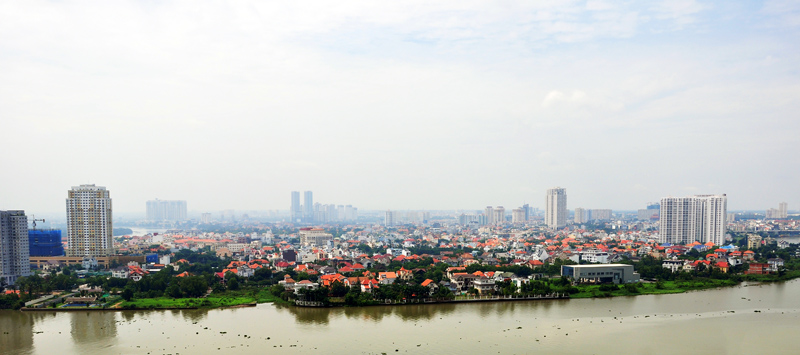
(756, 319)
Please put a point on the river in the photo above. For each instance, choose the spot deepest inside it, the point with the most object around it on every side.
(749, 319)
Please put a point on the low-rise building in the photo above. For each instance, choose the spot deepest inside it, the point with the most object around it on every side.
(603, 273)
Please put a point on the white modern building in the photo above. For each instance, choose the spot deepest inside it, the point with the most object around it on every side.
(555, 214)
(581, 215)
(14, 253)
(314, 236)
(89, 227)
(699, 218)
(166, 211)
(518, 215)
(489, 213)
(499, 215)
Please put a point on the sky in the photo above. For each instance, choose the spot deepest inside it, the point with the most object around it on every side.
(399, 105)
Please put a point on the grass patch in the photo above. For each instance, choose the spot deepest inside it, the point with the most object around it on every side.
(667, 287)
(215, 300)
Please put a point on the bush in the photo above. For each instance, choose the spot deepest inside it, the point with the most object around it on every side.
(608, 287)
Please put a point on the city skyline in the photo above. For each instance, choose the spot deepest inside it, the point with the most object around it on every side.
(401, 106)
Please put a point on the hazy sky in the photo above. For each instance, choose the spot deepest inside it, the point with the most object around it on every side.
(401, 105)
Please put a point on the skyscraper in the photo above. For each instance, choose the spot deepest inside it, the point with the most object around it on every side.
(170, 211)
(581, 215)
(389, 218)
(518, 215)
(14, 254)
(699, 218)
(489, 213)
(89, 227)
(555, 213)
(499, 215)
(296, 212)
(783, 210)
(308, 206)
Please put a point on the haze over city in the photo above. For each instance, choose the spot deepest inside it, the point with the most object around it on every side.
(420, 105)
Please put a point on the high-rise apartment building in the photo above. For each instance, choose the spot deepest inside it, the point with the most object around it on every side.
(14, 253)
(581, 215)
(389, 218)
(166, 211)
(89, 227)
(499, 215)
(601, 215)
(555, 213)
(652, 212)
(489, 213)
(308, 206)
(518, 215)
(699, 218)
(296, 211)
(783, 210)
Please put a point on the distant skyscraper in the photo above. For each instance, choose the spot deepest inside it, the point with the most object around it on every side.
(699, 218)
(499, 215)
(308, 206)
(166, 211)
(783, 210)
(581, 215)
(489, 213)
(518, 215)
(389, 218)
(555, 214)
(527, 209)
(89, 227)
(296, 212)
(14, 253)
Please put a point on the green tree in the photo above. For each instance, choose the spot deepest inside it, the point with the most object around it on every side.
(127, 294)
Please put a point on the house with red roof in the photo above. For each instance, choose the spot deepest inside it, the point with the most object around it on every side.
(369, 285)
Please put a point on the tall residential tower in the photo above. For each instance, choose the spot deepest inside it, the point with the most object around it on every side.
(14, 254)
(699, 218)
(555, 213)
(89, 228)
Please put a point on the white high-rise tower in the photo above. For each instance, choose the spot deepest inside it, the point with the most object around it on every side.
(700, 218)
(555, 214)
(89, 228)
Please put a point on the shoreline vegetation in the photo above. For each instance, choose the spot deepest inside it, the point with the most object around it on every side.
(249, 298)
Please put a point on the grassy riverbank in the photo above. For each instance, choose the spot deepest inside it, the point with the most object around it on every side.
(214, 300)
(664, 287)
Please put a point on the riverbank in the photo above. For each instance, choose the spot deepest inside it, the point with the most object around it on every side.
(227, 299)
(251, 297)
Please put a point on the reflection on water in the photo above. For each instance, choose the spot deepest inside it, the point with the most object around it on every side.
(16, 330)
(375, 314)
(94, 327)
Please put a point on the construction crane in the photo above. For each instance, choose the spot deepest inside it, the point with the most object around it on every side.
(33, 219)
